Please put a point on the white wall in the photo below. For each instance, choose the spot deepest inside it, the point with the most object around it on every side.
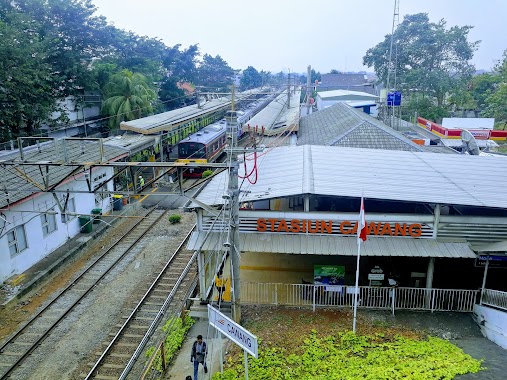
(493, 324)
(39, 246)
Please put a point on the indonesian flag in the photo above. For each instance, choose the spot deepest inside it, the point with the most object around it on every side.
(361, 224)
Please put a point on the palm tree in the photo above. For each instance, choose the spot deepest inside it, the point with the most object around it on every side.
(128, 96)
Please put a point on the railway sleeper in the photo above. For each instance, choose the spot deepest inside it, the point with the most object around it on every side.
(107, 365)
(133, 336)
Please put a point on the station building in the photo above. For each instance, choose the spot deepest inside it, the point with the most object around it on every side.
(428, 215)
(35, 222)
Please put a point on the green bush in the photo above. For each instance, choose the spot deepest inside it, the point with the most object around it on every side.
(174, 218)
(350, 356)
(176, 330)
(207, 173)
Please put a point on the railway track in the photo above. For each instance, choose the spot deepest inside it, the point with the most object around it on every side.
(17, 349)
(173, 285)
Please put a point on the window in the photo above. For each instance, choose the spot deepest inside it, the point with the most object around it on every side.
(17, 240)
(48, 223)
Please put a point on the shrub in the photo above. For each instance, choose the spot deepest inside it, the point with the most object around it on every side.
(207, 173)
(174, 218)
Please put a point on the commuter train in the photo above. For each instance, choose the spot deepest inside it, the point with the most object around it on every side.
(207, 144)
(201, 147)
(448, 133)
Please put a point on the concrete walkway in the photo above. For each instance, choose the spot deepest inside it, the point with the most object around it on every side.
(181, 367)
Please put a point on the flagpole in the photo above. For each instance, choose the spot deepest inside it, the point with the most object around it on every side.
(361, 235)
(356, 290)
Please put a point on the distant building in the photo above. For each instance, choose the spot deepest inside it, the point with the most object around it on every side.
(356, 99)
(353, 82)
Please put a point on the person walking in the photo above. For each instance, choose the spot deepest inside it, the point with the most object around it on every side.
(198, 355)
(220, 285)
(141, 181)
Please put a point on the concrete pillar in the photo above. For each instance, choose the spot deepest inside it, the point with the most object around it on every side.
(484, 277)
(307, 203)
(436, 220)
(202, 280)
(429, 281)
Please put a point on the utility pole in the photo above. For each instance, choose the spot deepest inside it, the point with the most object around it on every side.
(288, 90)
(308, 91)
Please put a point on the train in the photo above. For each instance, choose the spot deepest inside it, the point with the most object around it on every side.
(448, 133)
(202, 147)
(207, 144)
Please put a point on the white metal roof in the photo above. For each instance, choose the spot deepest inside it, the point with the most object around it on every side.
(332, 245)
(345, 93)
(378, 174)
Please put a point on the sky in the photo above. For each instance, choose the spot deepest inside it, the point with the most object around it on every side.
(289, 35)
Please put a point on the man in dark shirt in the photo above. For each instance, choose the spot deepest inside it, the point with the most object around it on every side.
(198, 355)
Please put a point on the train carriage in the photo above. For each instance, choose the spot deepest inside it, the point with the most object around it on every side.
(203, 146)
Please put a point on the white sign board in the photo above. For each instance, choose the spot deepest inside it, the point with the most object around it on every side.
(375, 276)
(241, 336)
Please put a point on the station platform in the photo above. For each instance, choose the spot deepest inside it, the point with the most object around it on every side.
(21, 284)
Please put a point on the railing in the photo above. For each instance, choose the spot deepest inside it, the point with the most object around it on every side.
(314, 296)
(494, 298)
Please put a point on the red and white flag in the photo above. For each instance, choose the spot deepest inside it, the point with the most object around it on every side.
(361, 224)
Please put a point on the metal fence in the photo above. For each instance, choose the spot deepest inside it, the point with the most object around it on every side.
(314, 296)
(494, 298)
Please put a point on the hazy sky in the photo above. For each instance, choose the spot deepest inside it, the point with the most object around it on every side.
(281, 35)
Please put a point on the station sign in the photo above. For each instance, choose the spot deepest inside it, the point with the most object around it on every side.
(495, 261)
(345, 227)
(235, 332)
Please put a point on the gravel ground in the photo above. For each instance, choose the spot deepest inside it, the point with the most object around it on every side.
(81, 335)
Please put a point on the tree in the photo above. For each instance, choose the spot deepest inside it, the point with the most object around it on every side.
(496, 102)
(26, 93)
(481, 87)
(315, 76)
(250, 78)
(170, 94)
(430, 58)
(214, 72)
(334, 71)
(181, 64)
(128, 97)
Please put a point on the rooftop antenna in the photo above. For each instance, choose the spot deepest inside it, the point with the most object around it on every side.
(388, 114)
(470, 145)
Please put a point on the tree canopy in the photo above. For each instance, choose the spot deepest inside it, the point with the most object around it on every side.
(251, 78)
(215, 73)
(428, 58)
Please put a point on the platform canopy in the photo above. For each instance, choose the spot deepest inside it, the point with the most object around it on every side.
(304, 244)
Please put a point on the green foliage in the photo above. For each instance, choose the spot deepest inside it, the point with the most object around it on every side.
(176, 330)
(215, 73)
(250, 78)
(431, 59)
(350, 356)
(425, 107)
(128, 96)
(207, 173)
(174, 218)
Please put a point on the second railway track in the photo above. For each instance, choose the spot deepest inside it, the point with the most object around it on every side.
(18, 348)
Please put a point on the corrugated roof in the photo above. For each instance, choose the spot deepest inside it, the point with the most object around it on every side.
(168, 120)
(132, 143)
(342, 125)
(349, 94)
(276, 117)
(343, 79)
(25, 177)
(306, 244)
(378, 174)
